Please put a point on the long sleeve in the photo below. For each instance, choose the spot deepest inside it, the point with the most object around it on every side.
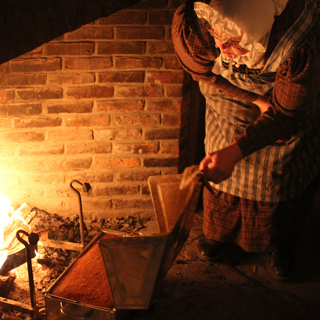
(297, 81)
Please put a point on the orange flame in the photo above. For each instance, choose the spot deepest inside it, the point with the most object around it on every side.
(5, 210)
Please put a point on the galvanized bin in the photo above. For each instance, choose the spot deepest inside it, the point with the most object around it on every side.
(136, 265)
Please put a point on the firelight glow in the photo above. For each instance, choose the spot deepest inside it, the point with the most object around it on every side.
(5, 208)
(9, 244)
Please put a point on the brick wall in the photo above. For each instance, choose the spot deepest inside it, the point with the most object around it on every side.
(101, 104)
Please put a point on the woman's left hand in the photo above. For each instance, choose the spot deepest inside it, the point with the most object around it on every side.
(263, 103)
(218, 166)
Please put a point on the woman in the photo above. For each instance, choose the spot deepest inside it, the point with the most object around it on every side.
(257, 66)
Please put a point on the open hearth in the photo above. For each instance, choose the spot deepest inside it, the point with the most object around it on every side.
(136, 263)
(56, 233)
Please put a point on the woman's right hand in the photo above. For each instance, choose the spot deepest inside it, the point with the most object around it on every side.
(218, 166)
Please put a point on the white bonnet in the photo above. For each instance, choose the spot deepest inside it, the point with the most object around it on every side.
(251, 18)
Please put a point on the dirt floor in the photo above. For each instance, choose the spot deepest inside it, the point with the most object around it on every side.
(237, 288)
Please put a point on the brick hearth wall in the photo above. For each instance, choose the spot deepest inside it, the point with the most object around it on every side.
(102, 104)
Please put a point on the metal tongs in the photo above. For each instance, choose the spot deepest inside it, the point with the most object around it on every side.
(86, 188)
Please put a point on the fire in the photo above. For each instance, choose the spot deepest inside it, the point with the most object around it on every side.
(10, 222)
(5, 210)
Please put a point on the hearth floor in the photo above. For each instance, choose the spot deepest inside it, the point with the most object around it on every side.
(238, 287)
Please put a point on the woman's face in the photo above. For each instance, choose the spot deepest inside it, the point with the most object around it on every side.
(228, 46)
